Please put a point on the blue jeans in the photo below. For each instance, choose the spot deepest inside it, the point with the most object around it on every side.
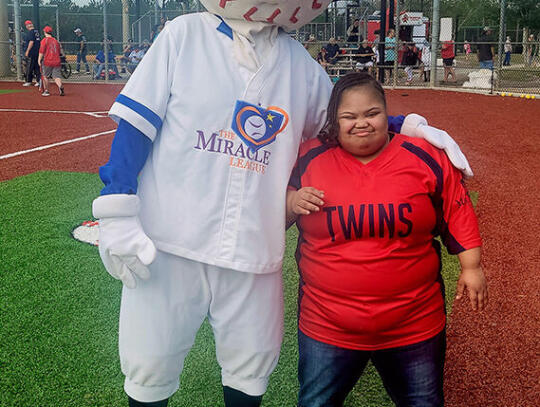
(81, 57)
(507, 56)
(486, 64)
(412, 375)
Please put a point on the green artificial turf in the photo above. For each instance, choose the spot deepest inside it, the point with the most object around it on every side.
(6, 91)
(59, 311)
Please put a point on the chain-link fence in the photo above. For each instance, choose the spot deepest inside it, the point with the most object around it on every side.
(335, 39)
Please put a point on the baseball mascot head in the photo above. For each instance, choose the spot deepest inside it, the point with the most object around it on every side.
(255, 22)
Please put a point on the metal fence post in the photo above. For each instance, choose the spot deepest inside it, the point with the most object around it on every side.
(4, 40)
(17, 29)
(105, 42)
(398, 45)
(434, 43)
(500, 48)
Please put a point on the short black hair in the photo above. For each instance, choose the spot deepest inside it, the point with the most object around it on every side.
(329, 133)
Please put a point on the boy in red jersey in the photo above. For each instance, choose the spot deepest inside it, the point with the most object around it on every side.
(371, 204)
(50, 51)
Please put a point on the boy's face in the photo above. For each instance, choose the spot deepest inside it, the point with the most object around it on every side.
(288, 14)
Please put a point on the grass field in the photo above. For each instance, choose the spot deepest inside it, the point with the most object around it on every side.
(59, 310)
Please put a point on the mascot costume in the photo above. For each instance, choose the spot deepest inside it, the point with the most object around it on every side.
(192, 216)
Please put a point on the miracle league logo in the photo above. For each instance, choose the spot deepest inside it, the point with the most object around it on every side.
(240, 156)
(256, 127)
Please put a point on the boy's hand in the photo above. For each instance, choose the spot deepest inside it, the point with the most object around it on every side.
(474, 280)
(306, 200)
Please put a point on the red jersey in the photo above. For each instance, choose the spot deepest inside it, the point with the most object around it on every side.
(447, 50)
(50, 48)
(368, 261)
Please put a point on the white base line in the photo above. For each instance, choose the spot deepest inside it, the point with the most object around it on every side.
(3, 157)
(93, 114)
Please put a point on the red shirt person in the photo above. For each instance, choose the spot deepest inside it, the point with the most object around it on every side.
(50, 62)
(448, 54)
(368, 206)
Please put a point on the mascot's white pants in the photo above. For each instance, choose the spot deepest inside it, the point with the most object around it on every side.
(160, 318)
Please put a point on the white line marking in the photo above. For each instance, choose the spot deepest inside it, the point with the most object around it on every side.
(93, 114)
(3, 157)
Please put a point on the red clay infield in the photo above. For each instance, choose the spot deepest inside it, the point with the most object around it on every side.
(493, 357)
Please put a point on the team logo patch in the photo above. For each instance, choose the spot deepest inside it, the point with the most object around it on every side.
(256, 126)
(87, 232)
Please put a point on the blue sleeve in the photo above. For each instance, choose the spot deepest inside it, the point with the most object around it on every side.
(395, 123)
(129, 151)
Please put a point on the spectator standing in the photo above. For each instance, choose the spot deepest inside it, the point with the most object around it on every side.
(31, 51)
(485, 49)
(353, 32)
(507, 51)
(448, 55)
(365, 57)
(49, 60)
(82, 51)
(529, 50)
(467, 49)
(332, 51)
(410, 59)
(426, 61)
(389, 53)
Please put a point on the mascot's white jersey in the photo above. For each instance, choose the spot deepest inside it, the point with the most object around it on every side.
(225, 141)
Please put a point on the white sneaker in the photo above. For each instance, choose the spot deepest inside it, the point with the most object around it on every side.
(75, 71)
(46, 93)
(27, 84)
(36, 84)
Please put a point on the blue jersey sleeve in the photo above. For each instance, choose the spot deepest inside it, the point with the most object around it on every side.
(395, 123)
(129, 151)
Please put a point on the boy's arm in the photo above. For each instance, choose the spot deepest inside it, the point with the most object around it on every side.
(472, 278)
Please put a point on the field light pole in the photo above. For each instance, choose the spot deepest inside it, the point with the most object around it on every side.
(398, 44)
(435, 28)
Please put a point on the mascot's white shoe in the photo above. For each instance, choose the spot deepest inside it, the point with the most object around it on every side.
(125, 249)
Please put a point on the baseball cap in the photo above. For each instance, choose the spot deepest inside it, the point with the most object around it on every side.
(77, 30)
(48, 29)
(28, 22)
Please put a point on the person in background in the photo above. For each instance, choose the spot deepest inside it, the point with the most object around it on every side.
(507, 51)
(410, 59)
(81, 51)
(124, 59)
(389, 53)
(368, 205)
(365, 57)
(311, 46)
(467, 49)
(135, 57)
(426, 61)
(485, 49)
(448, 55)
(49, 60)
(100, 57)
(332, 51)
(322, 57)
(31, 51)
(353, 32)
(529, 50)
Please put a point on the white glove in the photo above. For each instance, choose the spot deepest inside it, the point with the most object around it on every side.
(124, 248)
(415, 125)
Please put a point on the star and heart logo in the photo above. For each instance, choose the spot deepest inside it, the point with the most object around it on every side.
(257, 126)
